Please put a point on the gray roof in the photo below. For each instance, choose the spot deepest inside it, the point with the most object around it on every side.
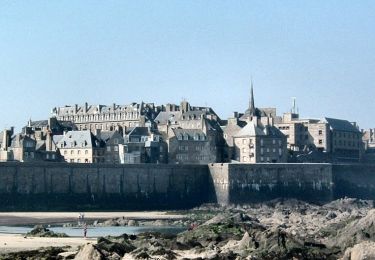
(250, 130)
(57, 138)
(106, 135)
(163, 117)
(76, 139)
(189, 133)
(39, 123)
(341, 125)
(140, 131)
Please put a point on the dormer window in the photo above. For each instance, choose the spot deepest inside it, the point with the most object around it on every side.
(179, 137)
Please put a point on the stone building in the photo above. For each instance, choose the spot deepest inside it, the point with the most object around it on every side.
(80, 147)
(5, 141)
(305, 134)
(112, 140)
(143, 145)
(368, 138)
(193, 134)
(259, 140)
(328, 140)
(346, 140)
(107, 118)
(22, 148)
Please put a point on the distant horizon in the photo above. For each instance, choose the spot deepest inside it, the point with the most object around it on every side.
(60, 53)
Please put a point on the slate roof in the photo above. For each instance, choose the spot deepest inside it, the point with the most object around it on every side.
(140, 131)
(341, 125)
(39, 123)
(106, 135)
(250, 130)
(190, 133)
(76, 139)
(163, 117)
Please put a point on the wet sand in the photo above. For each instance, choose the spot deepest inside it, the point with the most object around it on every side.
(32, 218)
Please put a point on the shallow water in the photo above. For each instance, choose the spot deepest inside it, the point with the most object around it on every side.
(96, 231)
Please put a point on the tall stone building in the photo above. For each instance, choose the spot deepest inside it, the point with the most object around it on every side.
(328, 139)
(193, 134)
(259, 140)
(107, 118)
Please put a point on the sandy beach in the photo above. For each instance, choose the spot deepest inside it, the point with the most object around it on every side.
(31, 218)
(15, 243)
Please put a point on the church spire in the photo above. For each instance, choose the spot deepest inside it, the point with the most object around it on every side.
(252, 111)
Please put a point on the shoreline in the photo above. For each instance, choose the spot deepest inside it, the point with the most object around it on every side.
(34, 218)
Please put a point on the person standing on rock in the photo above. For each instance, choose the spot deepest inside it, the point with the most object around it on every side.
(84, 230)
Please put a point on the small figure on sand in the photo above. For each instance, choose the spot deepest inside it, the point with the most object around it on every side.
(84, 230)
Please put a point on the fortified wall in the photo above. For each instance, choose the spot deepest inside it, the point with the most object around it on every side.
(63, 186)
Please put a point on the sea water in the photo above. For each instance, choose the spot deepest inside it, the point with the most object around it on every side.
(96, 231)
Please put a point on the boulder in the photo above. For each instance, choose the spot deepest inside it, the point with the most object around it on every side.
(361, 251)
(89, 252)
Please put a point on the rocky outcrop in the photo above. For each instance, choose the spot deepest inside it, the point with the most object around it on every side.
(89, 252)
(41, 231)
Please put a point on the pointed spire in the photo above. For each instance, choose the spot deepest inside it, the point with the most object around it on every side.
(252, 111)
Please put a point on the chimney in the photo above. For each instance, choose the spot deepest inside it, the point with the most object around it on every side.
(85, 107)
(235, 114)
(113, 106)
(97, 133)
(5, 140)
(48, 141)
(75, 109)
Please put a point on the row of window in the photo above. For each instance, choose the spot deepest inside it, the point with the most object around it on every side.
(78, 152)
(101, 117)
(345, 135)
(346, 143)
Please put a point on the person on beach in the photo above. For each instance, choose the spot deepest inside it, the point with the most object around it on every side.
(84, 230)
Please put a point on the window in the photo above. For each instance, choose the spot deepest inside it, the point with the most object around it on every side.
(71, 160)
(78, 160)
(320, 141)
(86, 151)
(261, 151)
(261, 142)
(320, 132)
(244, 150)
(115, 148)
(244, 141)
(86, 160)
(53, 156)
(79, 152)
(274, 150)
(72, 152)
(108, 148)
(273, 141)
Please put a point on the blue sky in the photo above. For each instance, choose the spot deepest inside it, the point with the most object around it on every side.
(54, 53)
